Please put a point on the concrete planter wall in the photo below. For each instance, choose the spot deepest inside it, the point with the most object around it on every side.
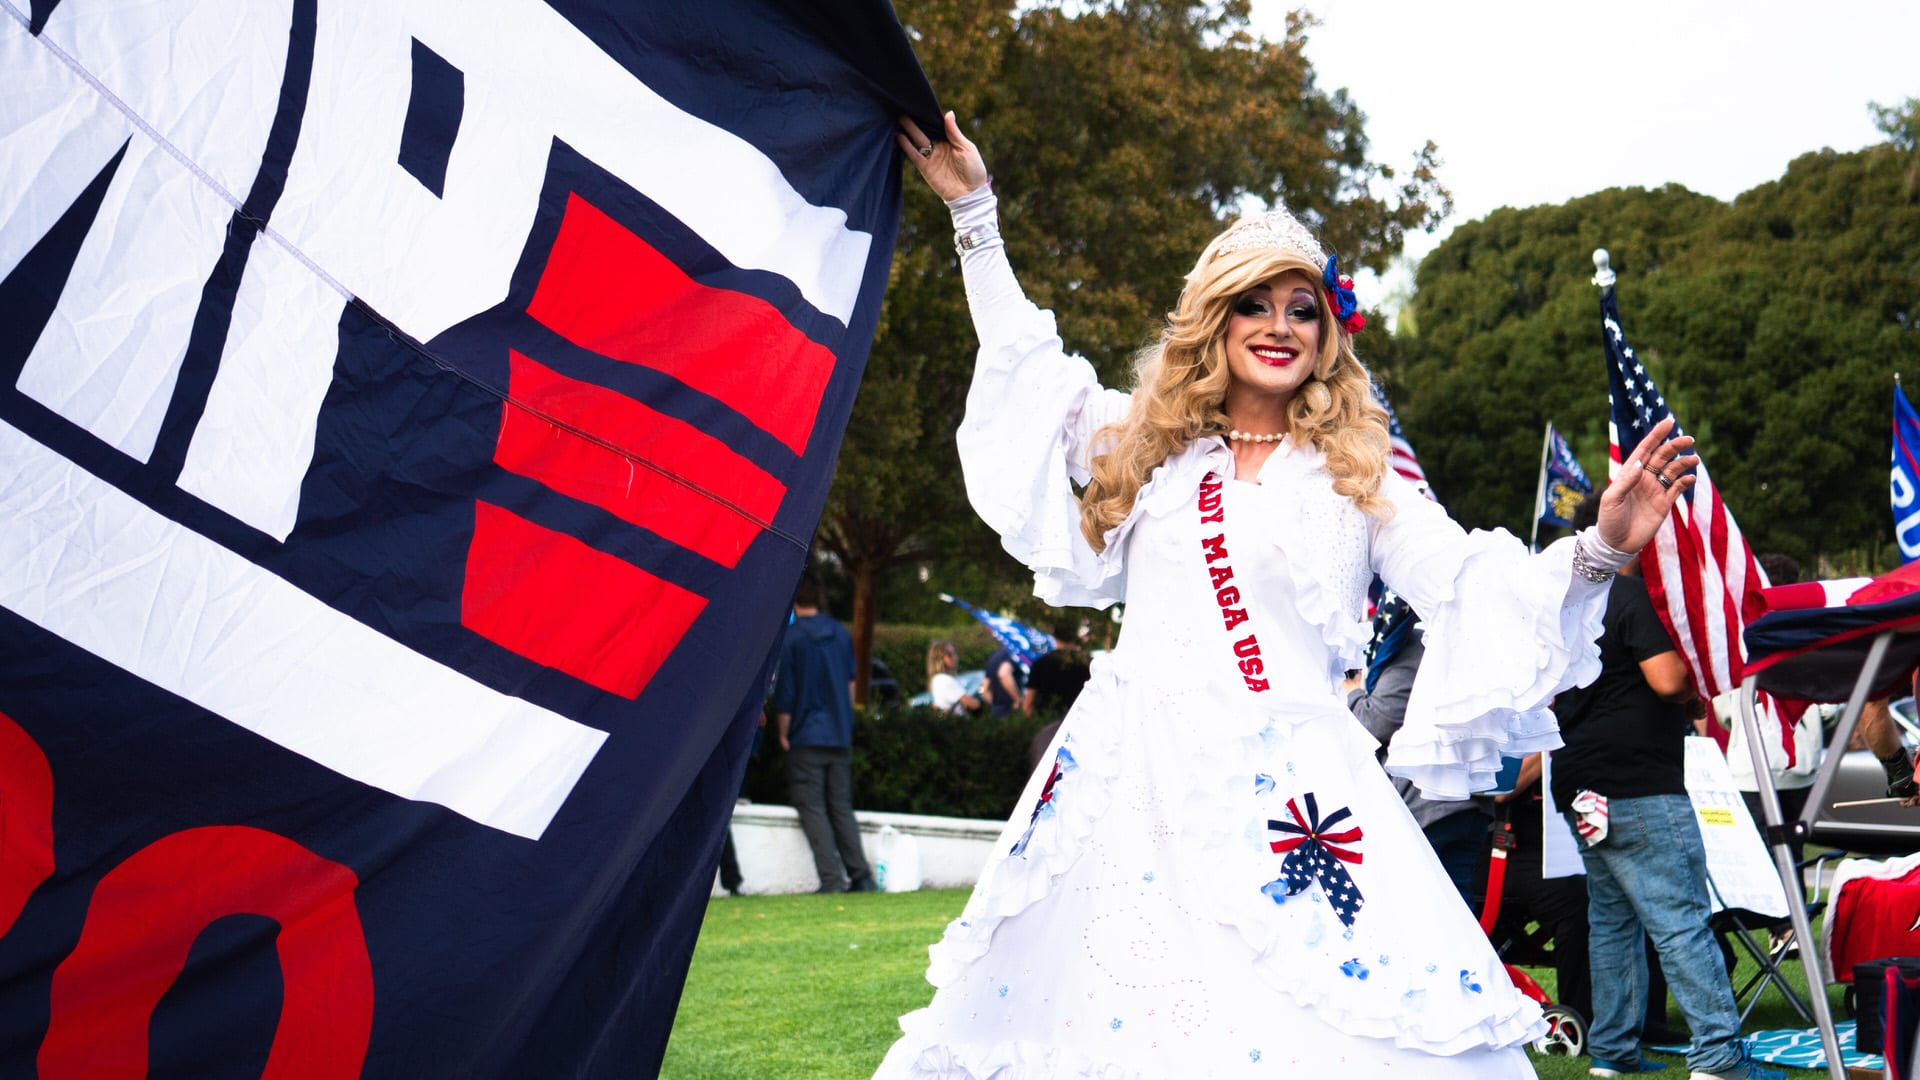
(774, 857)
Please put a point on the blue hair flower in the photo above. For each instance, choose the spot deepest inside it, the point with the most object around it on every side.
(1346, 305)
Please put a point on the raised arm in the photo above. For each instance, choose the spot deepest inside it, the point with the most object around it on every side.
(1033, 410)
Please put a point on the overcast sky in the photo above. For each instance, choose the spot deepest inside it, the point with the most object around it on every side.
(1539, 101)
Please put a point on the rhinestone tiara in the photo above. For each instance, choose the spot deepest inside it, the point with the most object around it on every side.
(1276, 228)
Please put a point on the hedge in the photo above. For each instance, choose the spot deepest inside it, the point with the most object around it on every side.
(903, 649)
(919, 761)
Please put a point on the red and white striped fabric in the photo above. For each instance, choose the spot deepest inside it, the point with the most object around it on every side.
(1699, 569)
(1400, 455)
(1704, 582)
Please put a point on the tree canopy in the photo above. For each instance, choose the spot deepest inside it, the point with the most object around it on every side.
(1121, 137)
(1773, 325)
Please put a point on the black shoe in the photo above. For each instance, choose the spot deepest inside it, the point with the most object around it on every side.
(830, 889)
(863, 883)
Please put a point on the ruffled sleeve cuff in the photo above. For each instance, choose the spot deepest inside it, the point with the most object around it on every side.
(1031, 416)
(1506, 630)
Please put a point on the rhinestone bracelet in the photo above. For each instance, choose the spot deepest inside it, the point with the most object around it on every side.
(1595, 559)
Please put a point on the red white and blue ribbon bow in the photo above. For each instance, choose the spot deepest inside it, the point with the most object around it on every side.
(1346, 306)
(1314, 853)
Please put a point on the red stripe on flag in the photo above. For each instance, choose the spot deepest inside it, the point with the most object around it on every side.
(564, 605)
(667, 475)
(606, 289)
(1686, 551)
(1730, 554)
(1707, 528)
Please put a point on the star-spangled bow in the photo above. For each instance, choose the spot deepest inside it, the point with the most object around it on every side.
(1063, 763)
(1314, 853)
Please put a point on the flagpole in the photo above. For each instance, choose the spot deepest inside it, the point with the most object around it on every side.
(1540, 492)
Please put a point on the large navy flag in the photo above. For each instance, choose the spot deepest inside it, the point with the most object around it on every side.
(414, 415)
(1906, 476)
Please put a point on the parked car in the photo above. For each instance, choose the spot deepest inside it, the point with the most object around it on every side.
(1883, 828)
(883, 690)
(970, 681)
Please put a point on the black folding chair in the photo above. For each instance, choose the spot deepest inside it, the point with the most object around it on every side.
(1768, 941)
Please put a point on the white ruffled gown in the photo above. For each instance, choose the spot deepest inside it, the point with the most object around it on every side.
(1215, 878)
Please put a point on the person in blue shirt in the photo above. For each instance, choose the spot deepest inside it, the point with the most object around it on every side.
(813, 717)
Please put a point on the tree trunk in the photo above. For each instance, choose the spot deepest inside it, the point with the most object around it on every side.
(864, 579)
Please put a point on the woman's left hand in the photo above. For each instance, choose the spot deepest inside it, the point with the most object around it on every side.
(1656, 474)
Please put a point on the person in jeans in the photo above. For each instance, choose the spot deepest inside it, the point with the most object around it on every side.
(813, 717)
(1646, 866)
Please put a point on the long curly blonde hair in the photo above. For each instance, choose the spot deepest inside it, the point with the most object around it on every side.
(1180, 390)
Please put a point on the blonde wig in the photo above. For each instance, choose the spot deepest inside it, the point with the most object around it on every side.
(1181, 385)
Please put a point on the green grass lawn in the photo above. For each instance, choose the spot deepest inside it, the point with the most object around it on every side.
(811, 986)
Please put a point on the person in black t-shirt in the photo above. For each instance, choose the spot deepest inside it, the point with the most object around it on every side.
(1004, 685)
(1647, 872)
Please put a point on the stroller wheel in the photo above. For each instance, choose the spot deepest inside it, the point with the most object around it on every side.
(1566, 1033)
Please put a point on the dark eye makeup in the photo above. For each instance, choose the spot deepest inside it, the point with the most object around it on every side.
(1302, 306)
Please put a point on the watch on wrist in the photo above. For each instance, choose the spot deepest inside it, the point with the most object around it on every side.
(974, 236)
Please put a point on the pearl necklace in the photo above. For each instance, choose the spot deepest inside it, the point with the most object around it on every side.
(1247, 436)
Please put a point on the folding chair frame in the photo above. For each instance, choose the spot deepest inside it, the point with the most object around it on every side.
(1732, 922)
(1779, 835)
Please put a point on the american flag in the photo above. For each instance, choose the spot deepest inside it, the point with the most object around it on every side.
(1701, 573)
(1400, 452)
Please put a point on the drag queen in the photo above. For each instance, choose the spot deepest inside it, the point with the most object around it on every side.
(1213, 877)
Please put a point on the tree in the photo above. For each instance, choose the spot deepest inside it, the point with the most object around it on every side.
(1901, 125)
(1773, 325)
(1121, 139)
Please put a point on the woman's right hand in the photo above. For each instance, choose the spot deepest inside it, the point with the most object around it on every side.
(952, 167)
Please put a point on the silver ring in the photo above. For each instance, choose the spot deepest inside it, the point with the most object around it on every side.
(925, 151)
(1657, 475)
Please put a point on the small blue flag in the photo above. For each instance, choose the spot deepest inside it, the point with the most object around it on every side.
(1024, 643)
(1906, 477)
(1562, 482)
